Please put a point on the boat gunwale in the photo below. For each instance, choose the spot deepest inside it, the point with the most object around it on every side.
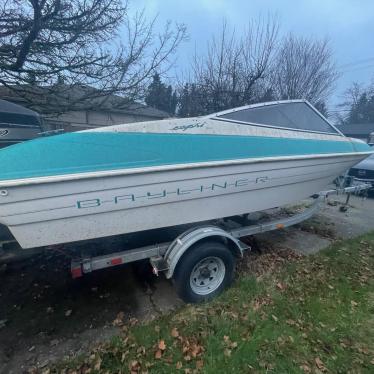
(161, 168)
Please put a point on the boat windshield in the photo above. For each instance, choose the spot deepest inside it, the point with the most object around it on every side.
(290, 115)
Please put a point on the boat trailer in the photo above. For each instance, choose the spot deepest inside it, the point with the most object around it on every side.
(200, 277)
(200, 260)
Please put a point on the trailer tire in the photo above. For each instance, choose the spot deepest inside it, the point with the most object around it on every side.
(204, 271)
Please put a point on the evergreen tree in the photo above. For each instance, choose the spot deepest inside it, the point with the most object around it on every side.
(184, 102)
(363, 110)
(160, 96)
(193, 101)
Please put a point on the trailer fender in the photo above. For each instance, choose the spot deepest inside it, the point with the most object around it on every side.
(184, 242)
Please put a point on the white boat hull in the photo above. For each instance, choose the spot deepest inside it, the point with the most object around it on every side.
(49, 213)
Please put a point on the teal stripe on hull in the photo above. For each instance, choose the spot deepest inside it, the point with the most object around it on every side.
(98, 151)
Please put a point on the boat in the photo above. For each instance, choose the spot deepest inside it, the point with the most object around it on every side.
(17, 124)
(141, 176)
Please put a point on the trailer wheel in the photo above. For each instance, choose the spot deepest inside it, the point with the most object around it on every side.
(204, 271)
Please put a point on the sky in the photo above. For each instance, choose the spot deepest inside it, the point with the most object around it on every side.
(348, 24)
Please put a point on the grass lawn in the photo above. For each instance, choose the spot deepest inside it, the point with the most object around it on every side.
(308, 315)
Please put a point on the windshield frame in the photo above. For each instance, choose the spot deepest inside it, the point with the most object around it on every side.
(217, 117)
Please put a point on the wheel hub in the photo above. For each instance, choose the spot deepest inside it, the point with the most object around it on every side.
(207, 275)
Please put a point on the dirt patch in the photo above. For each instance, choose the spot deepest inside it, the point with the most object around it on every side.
(44, 314)
(266, 257)
(319, 226)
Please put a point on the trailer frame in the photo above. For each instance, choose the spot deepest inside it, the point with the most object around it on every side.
(164, 257)
(200, 260)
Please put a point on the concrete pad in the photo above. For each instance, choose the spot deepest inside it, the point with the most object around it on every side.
(305, 242)
(311, 236)
(295, 239)
(358, 220)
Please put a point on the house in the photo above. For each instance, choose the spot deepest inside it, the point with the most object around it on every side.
(357, 130)
(80, 107)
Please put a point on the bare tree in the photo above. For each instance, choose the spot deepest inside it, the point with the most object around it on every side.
(352, 95)
(50, 47)
(303, 69)
(357, 105)
(230, 71)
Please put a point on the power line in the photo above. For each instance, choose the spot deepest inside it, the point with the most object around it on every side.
(359, 68)
(358, 62)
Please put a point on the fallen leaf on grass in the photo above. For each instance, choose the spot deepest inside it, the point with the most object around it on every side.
(158, 354)
(133, 321)
(97, 364)
(320, 364)
(179, 365)
(119, 319)
(195, 350)
(141, 350)
(229, 343)
(199, 364)
(256, 306)
(191, 348)
(174, 332)
(305, 368)
(161, 345)
(134, 366)
(363, 350)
